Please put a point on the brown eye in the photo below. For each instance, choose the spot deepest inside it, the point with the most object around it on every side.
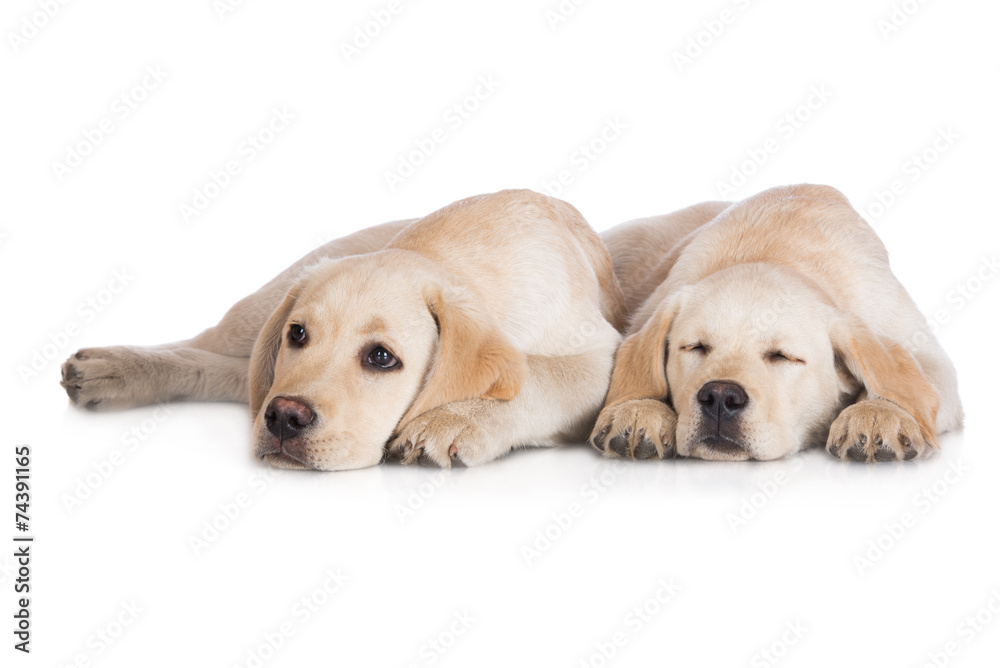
(381, 358)
(297, 333)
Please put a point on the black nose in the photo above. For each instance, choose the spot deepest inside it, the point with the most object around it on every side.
(721, 401)
(285, 418)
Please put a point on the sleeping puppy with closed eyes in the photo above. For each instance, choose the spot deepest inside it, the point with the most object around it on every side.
(484, 326)
(767, 326)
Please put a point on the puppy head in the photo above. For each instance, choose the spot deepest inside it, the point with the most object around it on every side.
(757, 363)
(360, 345)
(750, 367)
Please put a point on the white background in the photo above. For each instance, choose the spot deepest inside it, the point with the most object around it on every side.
(795, 559)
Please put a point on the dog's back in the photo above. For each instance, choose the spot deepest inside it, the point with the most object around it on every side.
(810, 229)
(507, 244)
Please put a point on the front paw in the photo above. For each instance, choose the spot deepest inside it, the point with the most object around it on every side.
(637, 429)
(876, 430)
(437, 437)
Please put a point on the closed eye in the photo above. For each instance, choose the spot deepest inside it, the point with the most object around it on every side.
(779, 356)
(696, 348)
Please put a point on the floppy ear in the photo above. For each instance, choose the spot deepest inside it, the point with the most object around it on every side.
(474, 360)
(641, 362)
(887, 371)
(265, 352)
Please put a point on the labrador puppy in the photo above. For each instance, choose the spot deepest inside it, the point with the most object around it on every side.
(489, 324)
(762, 327)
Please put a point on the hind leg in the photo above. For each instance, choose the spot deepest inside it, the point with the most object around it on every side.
(213, 366)
(127, 376)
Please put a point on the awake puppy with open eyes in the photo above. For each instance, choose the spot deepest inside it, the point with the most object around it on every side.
(762, 327)
(489, 324)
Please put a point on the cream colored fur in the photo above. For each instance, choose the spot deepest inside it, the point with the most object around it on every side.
(789, 295)
(502, 309)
